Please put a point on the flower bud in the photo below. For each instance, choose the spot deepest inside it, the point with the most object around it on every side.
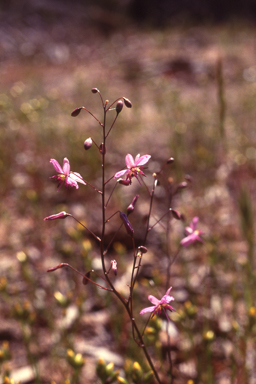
(126, 223)
(101, 369)
(88, 143)
(76, 112)
(114, 266)
(142, 249)
(175, 214)
(124, 182)
(103, 149)
(170, 160)
(130, 207)
(119, 106)
(85, 281)
(61, 215)
(127, 102)
(137, 372)
(94, 90)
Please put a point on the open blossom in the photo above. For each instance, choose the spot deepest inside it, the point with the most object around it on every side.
(192, 234)
(65, 175)
(159, 305)
(134, 167)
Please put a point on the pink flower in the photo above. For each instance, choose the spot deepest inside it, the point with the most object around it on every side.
(192, 234)
(134, 167)
(159, 305)
(65, 175)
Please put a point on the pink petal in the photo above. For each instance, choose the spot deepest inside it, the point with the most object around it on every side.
(146, 310)
(129, 160)
(142, 160)
(189, 230)
(188, 240)
(71, 183)
(120, 173)
(194, 222)
(77, 177)
(166, 299)
(168, 291)
(66, 167)
(56, 165)
(153, 300)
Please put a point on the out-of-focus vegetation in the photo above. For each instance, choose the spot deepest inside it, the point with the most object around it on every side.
(193, 92)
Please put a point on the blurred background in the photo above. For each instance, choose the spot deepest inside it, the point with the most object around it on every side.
(189, 69)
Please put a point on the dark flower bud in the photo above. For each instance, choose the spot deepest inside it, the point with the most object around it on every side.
(130, 207)
(103, 149)
(124, 182)
(127, 102)
(119, 106)
(94, 90)
(175, 214)
(85, 281)
(88, 143)
(126, 223)
(142, 249)
(170, 160)
(76, 112)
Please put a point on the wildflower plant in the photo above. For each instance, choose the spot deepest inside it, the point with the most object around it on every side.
(135, 169)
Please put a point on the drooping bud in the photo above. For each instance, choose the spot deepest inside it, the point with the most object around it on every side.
(61, 215)
(61, 265)
(127, 102)
(76, 112)
(170, 160)
(126, 223)
(175, 214)
(119, 106)
(114, 266)
(142, 249)
(124, 182)
(130, 207)
(85, 281)
(103, 149)
(94, 90)
(88, 143)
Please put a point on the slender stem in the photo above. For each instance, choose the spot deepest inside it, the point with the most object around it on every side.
(123, 301)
